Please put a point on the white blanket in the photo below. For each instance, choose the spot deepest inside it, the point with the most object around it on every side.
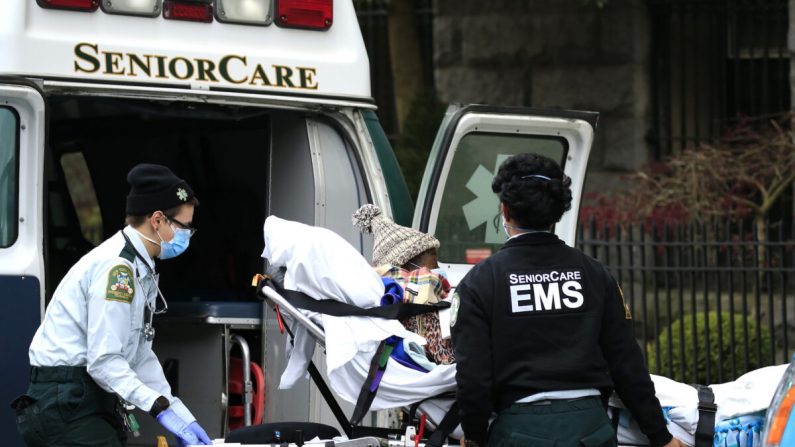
(323, 265)
(750, 393)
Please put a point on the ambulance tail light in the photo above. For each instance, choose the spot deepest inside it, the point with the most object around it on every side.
(146, 8)
(75, 5)
(248, 12)
(310, 14)
(193, 11)
(779, 430)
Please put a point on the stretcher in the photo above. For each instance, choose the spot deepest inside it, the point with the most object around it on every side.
(434, 407)
(305, 269)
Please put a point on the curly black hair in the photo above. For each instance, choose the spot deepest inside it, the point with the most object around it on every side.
(532, 200)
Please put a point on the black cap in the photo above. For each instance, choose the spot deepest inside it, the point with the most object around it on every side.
(155, 187)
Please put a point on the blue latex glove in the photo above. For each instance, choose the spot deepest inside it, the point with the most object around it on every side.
(178, 427)
(197, 430)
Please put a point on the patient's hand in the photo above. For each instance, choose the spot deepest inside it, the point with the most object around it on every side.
(675, 443)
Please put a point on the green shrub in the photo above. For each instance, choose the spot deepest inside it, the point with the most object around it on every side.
(700, 357)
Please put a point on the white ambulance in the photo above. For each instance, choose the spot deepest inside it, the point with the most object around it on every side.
(264, 107)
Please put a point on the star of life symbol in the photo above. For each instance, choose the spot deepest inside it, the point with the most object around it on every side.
(182, 194)
(486, 204)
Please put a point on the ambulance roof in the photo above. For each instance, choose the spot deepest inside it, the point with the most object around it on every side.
(117, 49)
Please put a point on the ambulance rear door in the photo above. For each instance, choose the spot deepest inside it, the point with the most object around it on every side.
(456, 203)
(21, 236)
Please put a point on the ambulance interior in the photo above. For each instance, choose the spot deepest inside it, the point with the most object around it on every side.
(244, 163)
(223, 152)
(93, 143)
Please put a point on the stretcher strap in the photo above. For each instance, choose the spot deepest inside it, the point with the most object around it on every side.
(397, 311)
(615, 419)
(371, 382)
(705, 431)
(339, 415)
(412, 414)
(412, 411)
(449, 422)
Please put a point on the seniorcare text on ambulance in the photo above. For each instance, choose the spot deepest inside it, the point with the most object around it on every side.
(90, 58)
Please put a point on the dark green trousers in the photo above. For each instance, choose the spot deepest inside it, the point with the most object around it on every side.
(559, 423)
(65, 407)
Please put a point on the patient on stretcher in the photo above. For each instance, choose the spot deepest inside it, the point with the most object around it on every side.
(409, 257)
(322, 265)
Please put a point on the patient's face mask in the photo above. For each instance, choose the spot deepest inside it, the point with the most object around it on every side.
(440, 272)
(445, 282)
(416, 267)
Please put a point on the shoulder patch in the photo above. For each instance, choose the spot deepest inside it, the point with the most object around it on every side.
(455, 303)
(627, 313)
(120, 284)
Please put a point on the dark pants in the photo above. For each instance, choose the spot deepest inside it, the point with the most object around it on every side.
(559, 423)
(65, 407)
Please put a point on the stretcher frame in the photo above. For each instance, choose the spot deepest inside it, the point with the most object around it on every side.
(282, 306)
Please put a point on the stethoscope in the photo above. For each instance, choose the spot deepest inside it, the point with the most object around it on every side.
(148, 330)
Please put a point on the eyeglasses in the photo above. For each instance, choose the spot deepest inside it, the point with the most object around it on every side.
(182, 225)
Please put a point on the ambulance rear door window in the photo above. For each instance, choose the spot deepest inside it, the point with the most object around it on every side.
(9, 174)
(469, 226)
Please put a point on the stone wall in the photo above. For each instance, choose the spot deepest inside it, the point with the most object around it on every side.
(559, 54)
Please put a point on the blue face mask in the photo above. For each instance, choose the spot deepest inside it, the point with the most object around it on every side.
(440, 272)
(177, 245)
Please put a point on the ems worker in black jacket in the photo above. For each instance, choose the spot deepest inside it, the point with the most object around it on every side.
(541, 331)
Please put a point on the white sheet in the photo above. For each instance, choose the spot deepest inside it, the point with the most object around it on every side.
(323, 265)
(748, 394)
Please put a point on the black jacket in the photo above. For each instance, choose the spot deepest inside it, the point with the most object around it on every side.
(541, 316)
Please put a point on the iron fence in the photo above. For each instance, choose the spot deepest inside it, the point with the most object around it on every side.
(714, 62)
(709, 301)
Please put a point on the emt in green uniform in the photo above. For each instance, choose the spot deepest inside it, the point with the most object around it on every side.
(91, 359)
(541, 332)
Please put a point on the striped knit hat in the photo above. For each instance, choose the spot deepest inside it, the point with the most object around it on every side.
(394, 244)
